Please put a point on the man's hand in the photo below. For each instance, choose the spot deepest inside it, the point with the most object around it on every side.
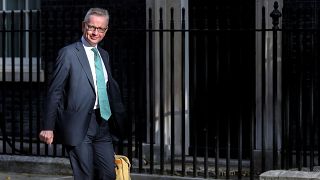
(46, 136)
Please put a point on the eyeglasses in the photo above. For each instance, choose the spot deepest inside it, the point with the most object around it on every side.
(93, 28)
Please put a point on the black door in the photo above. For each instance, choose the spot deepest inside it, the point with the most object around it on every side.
(222, 76)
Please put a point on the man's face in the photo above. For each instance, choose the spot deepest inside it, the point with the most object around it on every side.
(95, 29)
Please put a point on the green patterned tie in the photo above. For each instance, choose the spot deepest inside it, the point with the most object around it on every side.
(101, 87)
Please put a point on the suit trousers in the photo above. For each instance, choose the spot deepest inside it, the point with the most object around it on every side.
(93, 159)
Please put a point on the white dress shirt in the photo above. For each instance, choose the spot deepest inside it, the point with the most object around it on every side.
(90, 55)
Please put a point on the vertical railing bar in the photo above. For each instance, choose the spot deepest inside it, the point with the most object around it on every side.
(240, 105)
(290, 100)
(217, 136)
(263, 87)
(206, 92)
(54, 35)
(283, 149)
(229, 77)
(314, 96)
(300, 130)
(301, 97)
(288, 130)
(134, 122)
(21, 92)
(252, 120)
(313, 93)
(120, 76)
(38, 50)
(172, 77)
(299, 119)
(4, 123)
(161, 119)
(316, 107)
(228, 116)
(240, 144)
(316, 104)
(183, 86)
(252, 139)
(139, 133)
(288, 105)
(305, 128)
(275, 95)
(151, 91)
(217, 84)
(44, 26)
(30, 82)
(193, 111)
(217, 140)
(305, 113)
(286, 156)
(13, 77)
(195, 142)
(228, 148)
(311, 163)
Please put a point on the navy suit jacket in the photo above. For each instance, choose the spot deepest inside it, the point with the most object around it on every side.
(71, 96)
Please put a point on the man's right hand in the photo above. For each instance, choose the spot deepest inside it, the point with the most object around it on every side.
(46, 136)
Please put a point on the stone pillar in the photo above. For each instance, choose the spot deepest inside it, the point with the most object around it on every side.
(265, 115)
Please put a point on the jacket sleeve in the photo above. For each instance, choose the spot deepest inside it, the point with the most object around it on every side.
(56, 88)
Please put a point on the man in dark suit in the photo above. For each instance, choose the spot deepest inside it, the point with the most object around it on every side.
(81, 108)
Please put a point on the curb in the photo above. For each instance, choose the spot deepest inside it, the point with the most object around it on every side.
(35, 167)
(287, 174)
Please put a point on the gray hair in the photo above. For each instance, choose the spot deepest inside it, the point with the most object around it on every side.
(97, 12)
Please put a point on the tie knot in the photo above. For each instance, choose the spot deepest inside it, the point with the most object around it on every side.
(95, 50)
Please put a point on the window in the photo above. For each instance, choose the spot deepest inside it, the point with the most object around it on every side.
(20, 38)
(34, 4)
(16, 20)
(19, 4)
(15, 4)
(17, 31)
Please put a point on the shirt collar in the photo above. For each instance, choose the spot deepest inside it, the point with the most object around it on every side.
(86, 44)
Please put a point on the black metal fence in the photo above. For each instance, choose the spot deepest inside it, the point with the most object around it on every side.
(263, 108)
(22, 81)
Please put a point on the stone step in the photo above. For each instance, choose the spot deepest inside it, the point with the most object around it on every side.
(289, 174)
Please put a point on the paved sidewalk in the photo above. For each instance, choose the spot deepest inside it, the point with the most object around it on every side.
(47, 168)
(27, 176)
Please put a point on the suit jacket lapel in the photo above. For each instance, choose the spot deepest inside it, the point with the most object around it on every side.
(105, 61)
(83, 59)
